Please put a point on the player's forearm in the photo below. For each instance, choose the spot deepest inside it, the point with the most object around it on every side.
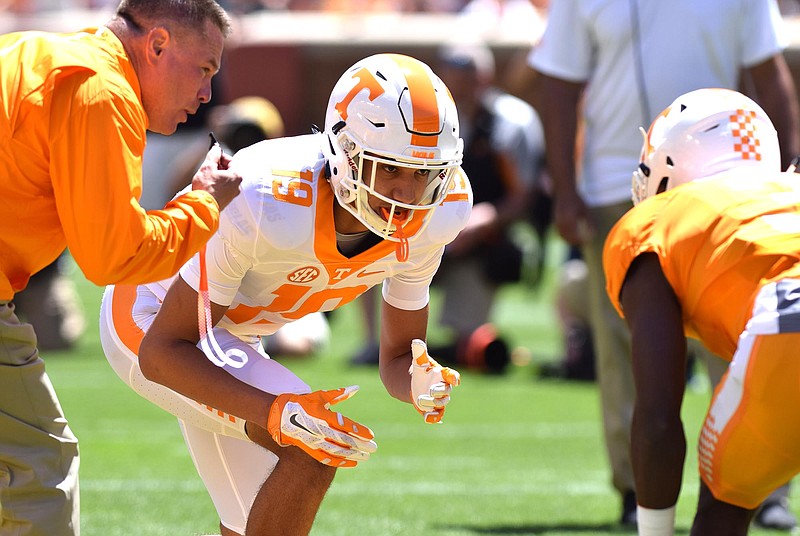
(182, 367)
(396, 379)
(658, 451)
(398, 328)
(139, 247)
(180, 228)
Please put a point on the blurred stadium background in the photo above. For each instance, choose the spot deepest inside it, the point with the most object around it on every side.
(517, 456)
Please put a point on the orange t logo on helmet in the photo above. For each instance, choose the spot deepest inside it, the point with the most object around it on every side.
(426, 125)
(365, 81)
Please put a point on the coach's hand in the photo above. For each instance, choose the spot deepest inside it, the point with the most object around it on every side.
(430, 383)
(307, 422)
(215, 177)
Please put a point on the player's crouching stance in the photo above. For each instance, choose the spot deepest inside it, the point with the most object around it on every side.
(711, 249)
(321, 218)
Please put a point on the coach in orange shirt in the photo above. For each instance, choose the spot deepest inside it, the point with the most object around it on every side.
(711, 249)
(74, 110)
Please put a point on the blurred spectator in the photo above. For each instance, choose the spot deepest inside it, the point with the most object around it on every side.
(572, 305)
(503, 157)
(243, 122)
(50, 302)
(397, 6)
(28, 7)
(503, 17)
(789, 7)
(367, 6)
(240, 7)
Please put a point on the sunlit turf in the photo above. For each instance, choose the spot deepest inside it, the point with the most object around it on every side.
(516, 455)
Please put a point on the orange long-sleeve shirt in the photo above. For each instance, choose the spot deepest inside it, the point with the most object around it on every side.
(72, 135)
(718, 241)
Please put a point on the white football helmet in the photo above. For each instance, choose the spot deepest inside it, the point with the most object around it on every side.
(702, 133)
(390, 108)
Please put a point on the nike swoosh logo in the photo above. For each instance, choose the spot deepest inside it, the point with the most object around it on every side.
(365, 273)
(294, 421)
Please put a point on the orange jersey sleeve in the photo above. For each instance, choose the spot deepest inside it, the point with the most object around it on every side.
(71, 144)
(718, 240)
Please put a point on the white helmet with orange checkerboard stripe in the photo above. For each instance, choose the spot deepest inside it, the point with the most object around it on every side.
(702, 133)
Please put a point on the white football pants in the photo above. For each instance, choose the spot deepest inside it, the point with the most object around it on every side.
(232, 467)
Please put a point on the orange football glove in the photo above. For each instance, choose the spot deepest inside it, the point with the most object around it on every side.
(430, 383)
(307, 422)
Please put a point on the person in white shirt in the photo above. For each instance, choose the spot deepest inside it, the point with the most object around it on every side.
(607, 67)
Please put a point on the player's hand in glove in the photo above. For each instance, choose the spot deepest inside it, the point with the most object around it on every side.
(307, 422)
(430, 383)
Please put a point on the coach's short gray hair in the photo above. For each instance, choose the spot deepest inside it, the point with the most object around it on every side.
(183, 13)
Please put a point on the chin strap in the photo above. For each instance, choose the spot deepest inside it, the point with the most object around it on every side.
(208, 343)
(402, 250)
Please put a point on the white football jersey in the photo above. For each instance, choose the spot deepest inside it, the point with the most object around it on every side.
(274, 258)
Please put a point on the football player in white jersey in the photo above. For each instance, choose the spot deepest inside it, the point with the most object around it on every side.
(320, 219)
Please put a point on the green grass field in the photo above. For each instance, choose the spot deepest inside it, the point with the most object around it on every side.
(516, 456)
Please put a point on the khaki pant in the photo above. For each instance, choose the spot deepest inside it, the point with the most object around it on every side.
(38, 452)
(612, 351)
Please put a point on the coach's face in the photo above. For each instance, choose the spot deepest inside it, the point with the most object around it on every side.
(177, 78)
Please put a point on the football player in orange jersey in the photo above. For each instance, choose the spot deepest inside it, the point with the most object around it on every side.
(321, 218)
(711, 250)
